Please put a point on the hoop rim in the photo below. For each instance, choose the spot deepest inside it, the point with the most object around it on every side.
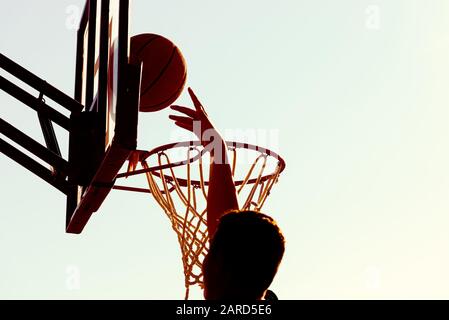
(196, 183)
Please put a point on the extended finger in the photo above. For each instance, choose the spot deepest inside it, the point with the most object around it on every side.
(181, 119)
(187, 111)
(196, 102)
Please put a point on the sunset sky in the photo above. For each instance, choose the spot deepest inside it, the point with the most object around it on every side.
(352, 93)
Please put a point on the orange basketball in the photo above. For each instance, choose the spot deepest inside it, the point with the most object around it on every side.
(164, 70)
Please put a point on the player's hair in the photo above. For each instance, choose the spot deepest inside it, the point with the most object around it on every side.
(251, 246)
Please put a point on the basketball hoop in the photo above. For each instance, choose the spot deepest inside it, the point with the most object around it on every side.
(180, 189)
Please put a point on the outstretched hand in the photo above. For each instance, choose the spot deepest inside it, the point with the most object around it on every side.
(195, 120)
(222, 195)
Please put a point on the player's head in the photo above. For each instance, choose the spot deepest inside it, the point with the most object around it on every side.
(244, 256)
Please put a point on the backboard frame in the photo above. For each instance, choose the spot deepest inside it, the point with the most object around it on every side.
(96, 153)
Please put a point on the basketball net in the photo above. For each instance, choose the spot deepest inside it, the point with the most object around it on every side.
(184, 200)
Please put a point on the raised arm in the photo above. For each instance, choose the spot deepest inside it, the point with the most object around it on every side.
(222, 196)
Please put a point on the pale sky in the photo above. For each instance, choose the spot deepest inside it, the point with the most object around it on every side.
(354, 96)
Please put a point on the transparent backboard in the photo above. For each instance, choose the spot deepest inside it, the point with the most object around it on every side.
(103, 135)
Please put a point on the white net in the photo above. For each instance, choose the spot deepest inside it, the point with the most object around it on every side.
(181, 187)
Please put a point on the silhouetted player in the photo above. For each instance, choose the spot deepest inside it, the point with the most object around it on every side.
(246, 247)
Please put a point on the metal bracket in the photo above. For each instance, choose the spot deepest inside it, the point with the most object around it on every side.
(48, 132)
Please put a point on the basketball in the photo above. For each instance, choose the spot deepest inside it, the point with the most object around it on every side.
(164, 70)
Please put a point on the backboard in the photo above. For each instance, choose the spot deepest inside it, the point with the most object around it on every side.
(105, 132)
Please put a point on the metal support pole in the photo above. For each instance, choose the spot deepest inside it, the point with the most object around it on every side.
(33, 166)
(34, 147)
(40, 85)
(34, 103)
